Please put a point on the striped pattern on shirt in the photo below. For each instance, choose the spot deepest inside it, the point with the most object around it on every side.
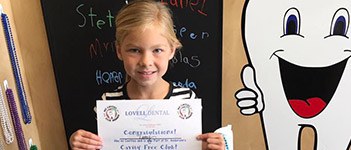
(175, 92)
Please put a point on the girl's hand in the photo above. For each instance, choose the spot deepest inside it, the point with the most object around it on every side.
(212, 141)
(85, 140)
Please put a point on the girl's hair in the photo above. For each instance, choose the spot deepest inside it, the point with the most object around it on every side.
(140, 14)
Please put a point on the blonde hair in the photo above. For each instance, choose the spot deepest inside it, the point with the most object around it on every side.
(140, 14)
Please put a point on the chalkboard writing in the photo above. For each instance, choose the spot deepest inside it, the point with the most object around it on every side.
(192, 61)
(184, 33)
(97, 47)
(91, 17)
(186, 83)
(82, 46)
(197, 6)
(112, 77)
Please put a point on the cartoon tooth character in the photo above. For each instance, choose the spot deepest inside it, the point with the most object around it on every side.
(299, 72)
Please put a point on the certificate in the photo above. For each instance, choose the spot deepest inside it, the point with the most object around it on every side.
(149, 124)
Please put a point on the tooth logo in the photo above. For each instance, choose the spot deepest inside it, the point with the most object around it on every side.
(185, 111)
(111, 113)
(299, 72)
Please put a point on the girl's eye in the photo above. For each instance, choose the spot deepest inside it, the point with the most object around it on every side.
(134, 50)
(292, 22)
(158, 50)
(340, 22)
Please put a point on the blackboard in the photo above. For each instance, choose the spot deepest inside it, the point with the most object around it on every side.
(81, 39)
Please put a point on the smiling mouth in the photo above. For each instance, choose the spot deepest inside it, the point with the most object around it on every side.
(146, 72)
(310, 89)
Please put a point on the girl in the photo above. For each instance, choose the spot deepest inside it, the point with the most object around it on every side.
(146, 42)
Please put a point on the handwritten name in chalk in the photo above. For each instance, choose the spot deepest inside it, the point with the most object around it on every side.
(183, 32)
(105, 77)
(186, 84)
(92, 19)
(98, 49)
(197, 6)
(192, 61)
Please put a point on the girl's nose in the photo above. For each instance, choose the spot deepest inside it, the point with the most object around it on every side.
(146, 59)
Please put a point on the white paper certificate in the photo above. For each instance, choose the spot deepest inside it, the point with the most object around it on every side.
(149, 124)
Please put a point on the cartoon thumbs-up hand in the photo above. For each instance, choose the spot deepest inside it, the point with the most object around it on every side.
(250, 98)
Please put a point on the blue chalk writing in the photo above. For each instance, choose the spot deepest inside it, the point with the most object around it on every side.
(186, 84)
(184, 33)
(108, 77)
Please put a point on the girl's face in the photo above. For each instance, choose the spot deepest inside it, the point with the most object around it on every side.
(145, 55)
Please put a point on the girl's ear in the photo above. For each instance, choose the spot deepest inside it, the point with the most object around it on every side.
(118, 52)
(173, 49)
